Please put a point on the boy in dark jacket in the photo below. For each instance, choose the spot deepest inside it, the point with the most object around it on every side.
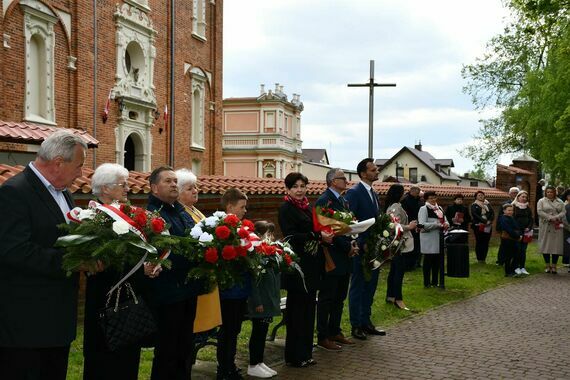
(233, 301)
(510, 237)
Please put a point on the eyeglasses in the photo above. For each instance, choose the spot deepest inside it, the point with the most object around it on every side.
(124, 185)
(341, 178)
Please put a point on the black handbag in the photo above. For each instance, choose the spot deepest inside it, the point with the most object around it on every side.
(126, 323)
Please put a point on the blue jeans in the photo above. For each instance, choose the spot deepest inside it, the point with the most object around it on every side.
(361, 295)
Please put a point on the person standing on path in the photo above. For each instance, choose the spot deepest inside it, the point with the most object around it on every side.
(335, 281)
(551, 214)
(513, 191)
(523, 216)
(510, 238)
(363, 202)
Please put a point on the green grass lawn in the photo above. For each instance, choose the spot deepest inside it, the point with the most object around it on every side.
(482, 277)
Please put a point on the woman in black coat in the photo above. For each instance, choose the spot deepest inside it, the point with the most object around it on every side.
(109, 184)
(482, 215)
(295, 220)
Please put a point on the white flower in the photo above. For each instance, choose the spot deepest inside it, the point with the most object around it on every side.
(211, 221)
(86, 214)
(385, 233)
(196, 231)
(391, 225)
(376, 264)
(383, 248)
(395, 242)
(120, 227)
(205, 238)
(220, 214)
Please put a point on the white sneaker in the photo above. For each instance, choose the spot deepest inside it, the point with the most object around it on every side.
(523, 271)
(258, 371)
(265, 367)
(518, 271)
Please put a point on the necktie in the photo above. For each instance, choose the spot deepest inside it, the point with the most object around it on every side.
(342, 201)
(374, 199)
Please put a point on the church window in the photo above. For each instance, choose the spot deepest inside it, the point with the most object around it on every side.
(199, 19)
(198, 95)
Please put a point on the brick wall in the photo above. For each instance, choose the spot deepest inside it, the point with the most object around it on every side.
(74, 89)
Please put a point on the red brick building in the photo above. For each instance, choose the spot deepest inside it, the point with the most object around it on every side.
(60, 60)
(522, 173)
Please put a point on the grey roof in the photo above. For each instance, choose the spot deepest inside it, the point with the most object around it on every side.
(380, 161)
(429, 160)
(316, 155)
(525, 157)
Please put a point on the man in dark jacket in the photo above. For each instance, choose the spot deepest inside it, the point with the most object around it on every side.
(173, 295)
(412, 204)
(513, 191)
(38, 302)
(334, 288)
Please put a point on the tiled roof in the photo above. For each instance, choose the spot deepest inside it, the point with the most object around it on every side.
(29, 133)
(427, 159)
(514, 169)
(215, 184)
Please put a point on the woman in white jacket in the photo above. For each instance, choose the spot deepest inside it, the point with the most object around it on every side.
(432, 224)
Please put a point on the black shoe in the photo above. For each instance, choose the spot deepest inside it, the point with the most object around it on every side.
(371, 330)
(358, 333)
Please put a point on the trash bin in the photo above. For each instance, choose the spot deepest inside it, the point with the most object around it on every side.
(457, 253)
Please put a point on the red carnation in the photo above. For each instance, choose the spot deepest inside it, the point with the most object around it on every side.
(140, 218)
(241, 251)
(243, 233)
(288, 259)
(223, 232)
(157, 225)
(229, 252)
(246, 223)
(211, 255)
(231, 220)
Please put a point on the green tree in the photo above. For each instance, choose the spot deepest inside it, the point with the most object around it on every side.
(524, 75)
(478, 173)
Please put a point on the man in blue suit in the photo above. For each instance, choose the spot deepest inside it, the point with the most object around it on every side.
(334, 286)
(363, 202)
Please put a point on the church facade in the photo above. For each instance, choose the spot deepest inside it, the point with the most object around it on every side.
(142, 77)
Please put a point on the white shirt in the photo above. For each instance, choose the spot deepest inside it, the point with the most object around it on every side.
(56, 194)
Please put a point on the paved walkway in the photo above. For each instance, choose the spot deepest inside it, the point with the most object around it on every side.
(520, 331)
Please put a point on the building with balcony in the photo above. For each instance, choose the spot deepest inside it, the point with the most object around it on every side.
(262, 135)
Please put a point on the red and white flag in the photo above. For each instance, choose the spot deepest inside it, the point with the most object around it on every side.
(165, 117)
(107, 107)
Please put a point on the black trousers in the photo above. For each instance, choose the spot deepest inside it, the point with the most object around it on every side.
(300, 322)
(546, 257)
(33, 363)
(333, 292)
(431, 266)
(259, 327)
(175, 341)
(233, 313)
(520, 258)
(481, 244)
(510, 252)
(396, 277)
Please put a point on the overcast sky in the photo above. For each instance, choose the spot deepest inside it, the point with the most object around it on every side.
(314, 48)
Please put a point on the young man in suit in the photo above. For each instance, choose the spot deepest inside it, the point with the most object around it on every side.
(38, 302)
(363, 202)
(334, 286)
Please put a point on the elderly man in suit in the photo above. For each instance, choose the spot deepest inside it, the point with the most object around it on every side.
(363, 202)
(38, 302)
(334, 286)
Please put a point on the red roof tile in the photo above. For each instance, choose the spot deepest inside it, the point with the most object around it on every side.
(29, 133)
(514, 169)
(215, 184)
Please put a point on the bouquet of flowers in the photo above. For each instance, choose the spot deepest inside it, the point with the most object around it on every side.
(384, 242)
(278, 255)
(115, 235)
(223, 248)
(332, 221)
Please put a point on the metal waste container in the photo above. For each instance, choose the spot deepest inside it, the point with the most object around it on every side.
(457, 253)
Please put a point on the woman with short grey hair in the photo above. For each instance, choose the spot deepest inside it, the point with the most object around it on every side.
(107, 178)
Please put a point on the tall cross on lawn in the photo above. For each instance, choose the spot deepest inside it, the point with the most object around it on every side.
(371, 86)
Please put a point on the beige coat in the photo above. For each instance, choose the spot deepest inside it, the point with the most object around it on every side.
(550, 239)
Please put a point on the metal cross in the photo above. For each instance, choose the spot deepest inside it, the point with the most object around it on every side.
(371, 85)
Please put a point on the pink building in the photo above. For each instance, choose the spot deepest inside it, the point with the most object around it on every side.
(262, 135)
